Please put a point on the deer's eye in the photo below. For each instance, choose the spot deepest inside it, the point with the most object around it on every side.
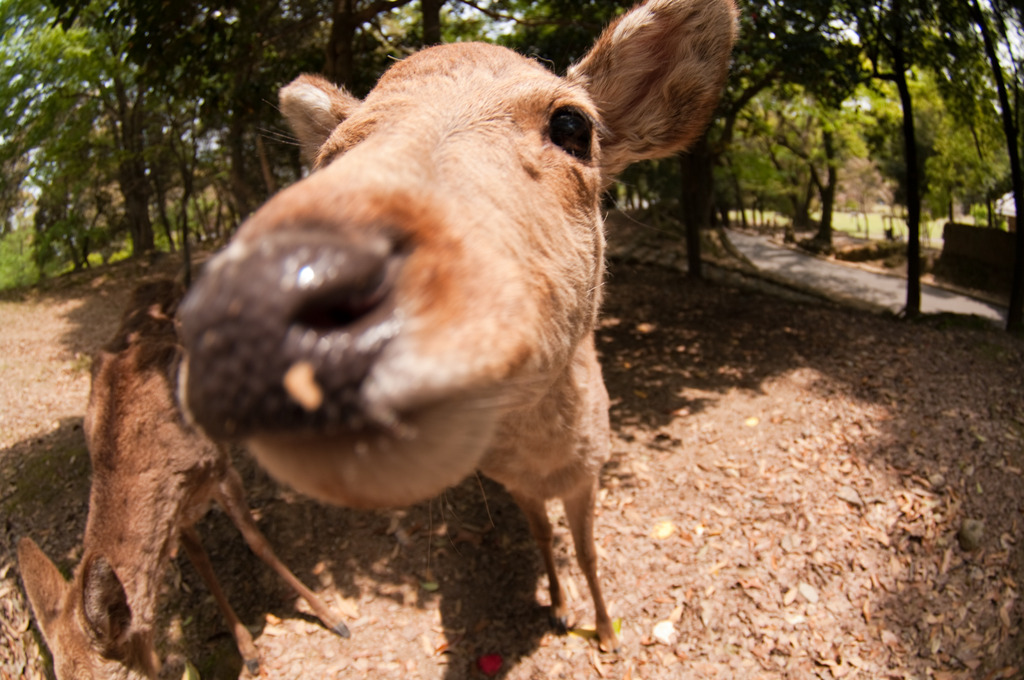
(572, 130)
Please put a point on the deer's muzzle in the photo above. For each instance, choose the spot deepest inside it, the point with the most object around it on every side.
(281, 332)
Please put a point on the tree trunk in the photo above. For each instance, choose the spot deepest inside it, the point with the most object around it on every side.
(1015, 315)
(268, 173)
(86, 249)
(186, 167)
(802, 208)
(241, 190)
(828, 192)
(431, 21)
(740, 205)
(202, 216)
(697, 185)
(161, 209)
(347, 18)
(226, 208)
(913, 307)
(131, 171)
(186, 247)
(135, 188)
(340, 56)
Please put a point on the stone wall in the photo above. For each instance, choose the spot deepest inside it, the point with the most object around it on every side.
(978, 257)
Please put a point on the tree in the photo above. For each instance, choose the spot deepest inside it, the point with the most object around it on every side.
(347, 18)
(121, 91)
(61, 134)
(431, 10)
(1015, 316)
(806, 143)
(778, 125)
(754, 180)
(780, 43)
(696, 166)
(863, 186)
(979, 45)
(894, 34)
(968, 164)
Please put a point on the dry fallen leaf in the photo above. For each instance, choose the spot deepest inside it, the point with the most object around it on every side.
(809, 592)
(663, 530)
(595, 661)
(190, 672)
(300, 384)
(850, 495)
(664, 632)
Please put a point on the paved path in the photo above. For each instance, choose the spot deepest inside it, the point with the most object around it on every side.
(879, 289)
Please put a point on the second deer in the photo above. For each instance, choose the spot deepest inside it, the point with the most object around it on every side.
(153, 478)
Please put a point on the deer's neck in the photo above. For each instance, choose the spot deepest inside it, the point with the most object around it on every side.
(136, 525)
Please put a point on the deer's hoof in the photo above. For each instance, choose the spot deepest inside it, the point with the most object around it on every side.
(559, 621)
(608, 641)
(341, 630)
(253, 666)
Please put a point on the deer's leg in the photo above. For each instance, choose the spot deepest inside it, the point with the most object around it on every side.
(231, 497)
(540, 526)
(194, 549)
(579, 510)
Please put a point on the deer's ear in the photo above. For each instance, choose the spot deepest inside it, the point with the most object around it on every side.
(313, 107)
(656, 75)
(44, 584)
(104, 603)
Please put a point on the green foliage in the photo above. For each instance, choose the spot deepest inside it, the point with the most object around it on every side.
(54, 132)
(649, 183)
(16, 267)
(558, 32)
(110, 105)
(968, 164)
(963, 159)
(980, 214)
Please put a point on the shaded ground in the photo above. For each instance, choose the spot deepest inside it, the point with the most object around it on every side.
(784, 501)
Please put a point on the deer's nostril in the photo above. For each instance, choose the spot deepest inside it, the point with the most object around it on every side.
(329, 314)
(338, 305)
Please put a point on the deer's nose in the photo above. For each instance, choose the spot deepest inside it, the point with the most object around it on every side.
(280, 334)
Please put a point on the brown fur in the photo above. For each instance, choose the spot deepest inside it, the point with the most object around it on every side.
(153, 478)
(490, 361)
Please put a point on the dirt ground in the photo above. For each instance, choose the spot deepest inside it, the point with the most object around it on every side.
(796, 491)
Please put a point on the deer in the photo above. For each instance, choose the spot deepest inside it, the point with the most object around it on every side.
(421, 306)
(153, 478)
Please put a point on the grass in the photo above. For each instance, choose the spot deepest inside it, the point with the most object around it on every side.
(871, 227)
(40, 474)
(18, 268)
(82, 363)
